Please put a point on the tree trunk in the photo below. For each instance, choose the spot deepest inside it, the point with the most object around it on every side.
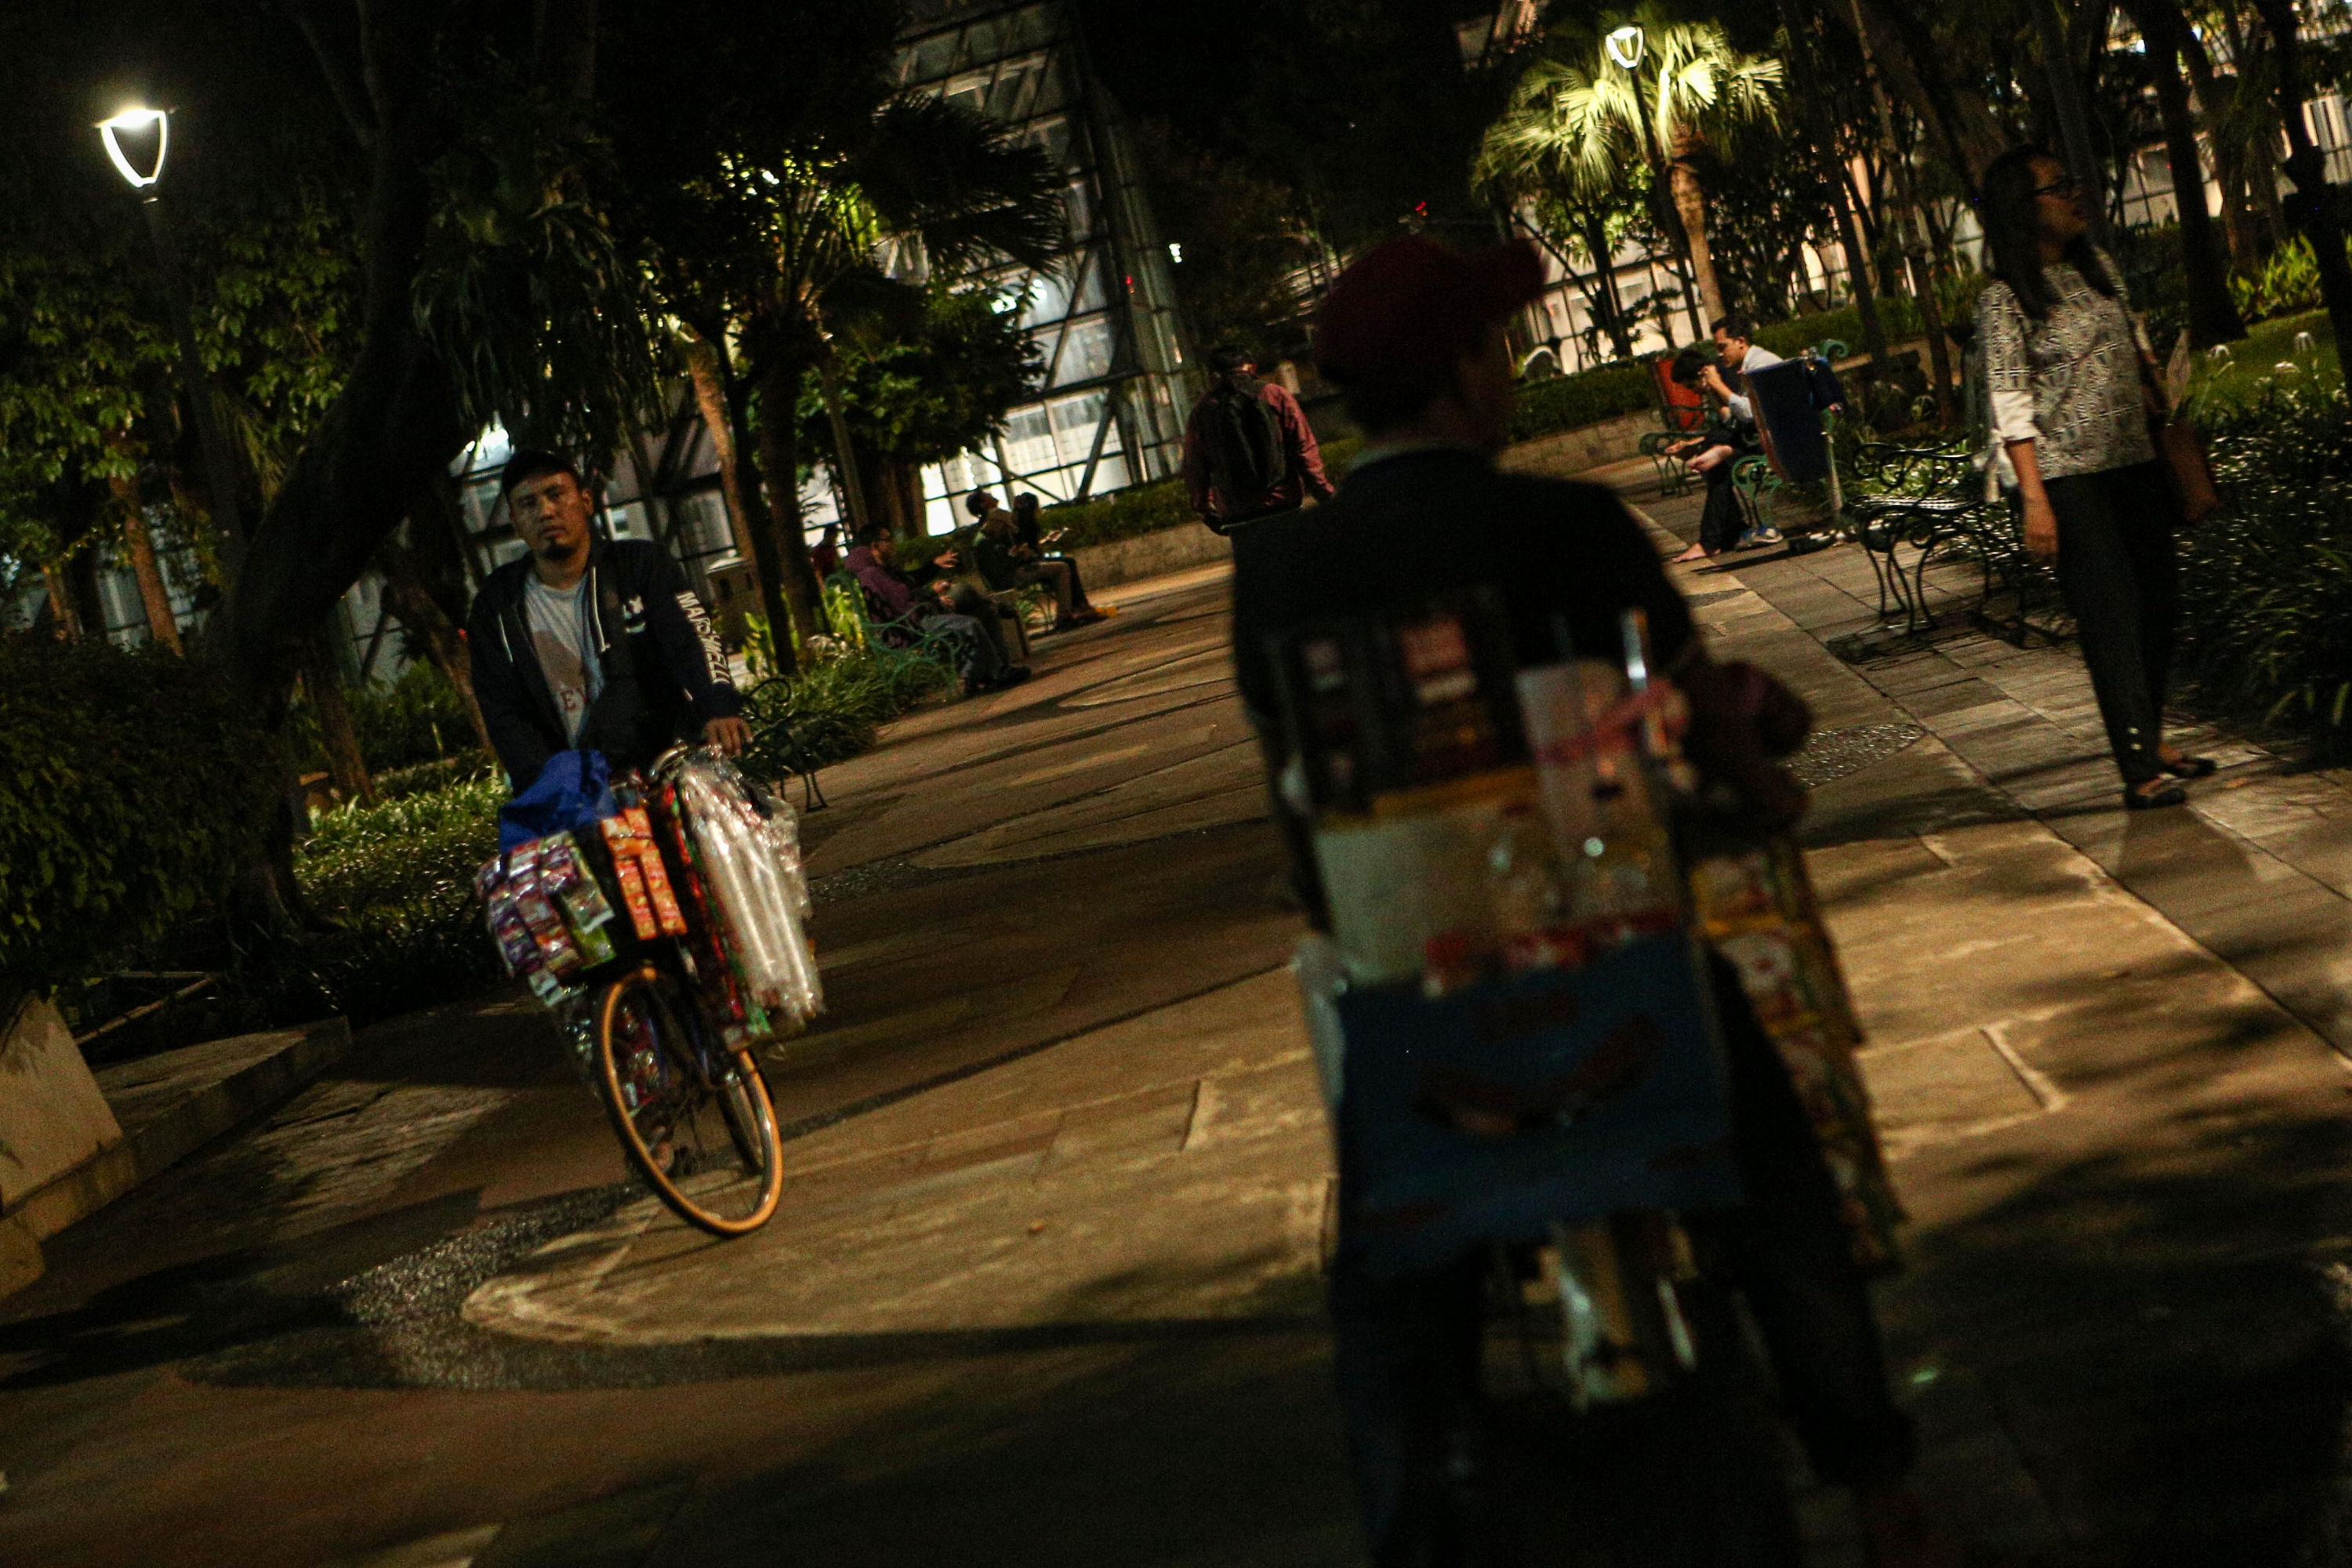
(710, 378)
(2066, 107)
(2228, 162)
(2212, 314)
(845, 450)
(1601, 297)
(2312, 206)
(322, 682)
(1823, 136)
(779, 455)
(720, 397)
(138, 544)
(421, 614)
(1690, 202)
(1898, 41)
(1906, 186)
(2260, 150)
(61, 604)
(394, 426)
(897, 497)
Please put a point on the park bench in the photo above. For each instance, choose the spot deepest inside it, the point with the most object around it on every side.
(1922, 497)
(1682, 414)
(1995, 534)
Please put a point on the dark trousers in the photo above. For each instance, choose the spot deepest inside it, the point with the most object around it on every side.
(1721, 520)
(2116, 569)
(1060, 573)
(971, 603)
(1442, 1479)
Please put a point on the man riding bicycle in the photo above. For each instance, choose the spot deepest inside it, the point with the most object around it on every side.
(588, 644)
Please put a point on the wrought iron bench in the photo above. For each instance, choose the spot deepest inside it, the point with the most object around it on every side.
(1921, 497)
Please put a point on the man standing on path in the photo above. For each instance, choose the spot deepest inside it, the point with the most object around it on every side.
(1414, 335)
(588, 644)
(1720, 522)
(1249, 452)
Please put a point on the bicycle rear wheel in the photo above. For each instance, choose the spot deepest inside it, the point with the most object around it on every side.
(693, 1117)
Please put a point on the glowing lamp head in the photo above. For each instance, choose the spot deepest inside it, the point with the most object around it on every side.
(1626, 46)
(138, 127)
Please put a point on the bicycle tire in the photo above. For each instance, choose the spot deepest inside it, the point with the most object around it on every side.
(652, 1078)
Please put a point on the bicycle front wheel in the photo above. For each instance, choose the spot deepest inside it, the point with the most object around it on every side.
(694, 1118)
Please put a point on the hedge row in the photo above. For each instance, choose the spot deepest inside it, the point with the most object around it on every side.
(1149, 508)
(132, 787)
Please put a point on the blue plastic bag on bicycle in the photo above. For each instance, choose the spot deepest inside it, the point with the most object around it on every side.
(572, 791)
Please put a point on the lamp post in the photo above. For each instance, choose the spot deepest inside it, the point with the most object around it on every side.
(135, 124)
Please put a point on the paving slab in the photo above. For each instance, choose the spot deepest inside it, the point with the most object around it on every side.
(1006, 1201)
(173, 1103)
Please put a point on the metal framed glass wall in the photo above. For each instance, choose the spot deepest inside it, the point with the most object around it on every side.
(1111, 411)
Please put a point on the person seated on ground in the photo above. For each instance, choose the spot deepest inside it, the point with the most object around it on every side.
(824, 556)
(588, 644)
(1007, 564)
(1722, 524)
(898, 606)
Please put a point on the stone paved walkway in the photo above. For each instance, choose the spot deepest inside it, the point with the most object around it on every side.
(1044, 1288)
(2107, 1054)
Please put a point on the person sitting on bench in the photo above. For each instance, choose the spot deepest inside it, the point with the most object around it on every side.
(1006, 563)
(897, 606)
(1715, 454)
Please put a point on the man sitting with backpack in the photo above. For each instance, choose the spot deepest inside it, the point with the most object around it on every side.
(1249, 452)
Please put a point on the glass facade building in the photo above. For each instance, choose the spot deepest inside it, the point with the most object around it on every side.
(1111, 411)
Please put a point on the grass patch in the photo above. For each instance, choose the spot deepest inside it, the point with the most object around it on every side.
(2230, 382)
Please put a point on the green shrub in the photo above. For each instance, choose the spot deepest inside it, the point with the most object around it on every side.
(421, 778)
(2288, 281)
(1122, 514)
(1898, 317)
(1587, 397)
(397, 878)
(829, 712)
(132, 785)
(419, 717)
(2266, 584)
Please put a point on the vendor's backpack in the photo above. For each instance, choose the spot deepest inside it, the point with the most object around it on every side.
(1243, 442)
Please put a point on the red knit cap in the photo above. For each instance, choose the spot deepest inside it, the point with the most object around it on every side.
(1413, 306)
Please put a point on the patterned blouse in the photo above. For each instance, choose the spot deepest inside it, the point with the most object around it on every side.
(2070, 382)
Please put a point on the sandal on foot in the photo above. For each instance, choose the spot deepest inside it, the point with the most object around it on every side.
(2143, 797)
(2189, 767)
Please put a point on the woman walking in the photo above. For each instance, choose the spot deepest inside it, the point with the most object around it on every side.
(2073, 391)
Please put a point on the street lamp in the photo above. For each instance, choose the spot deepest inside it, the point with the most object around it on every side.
(1626, 47)
(133, 125)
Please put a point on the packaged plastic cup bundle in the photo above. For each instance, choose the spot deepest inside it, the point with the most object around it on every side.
(757, 894)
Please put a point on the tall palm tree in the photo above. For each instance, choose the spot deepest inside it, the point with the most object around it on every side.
(1580, 116)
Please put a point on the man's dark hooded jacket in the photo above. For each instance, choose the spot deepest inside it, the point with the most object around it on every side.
(665, 675)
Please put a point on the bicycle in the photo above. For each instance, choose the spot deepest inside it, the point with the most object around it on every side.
(694, 1120)
(665, 934)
